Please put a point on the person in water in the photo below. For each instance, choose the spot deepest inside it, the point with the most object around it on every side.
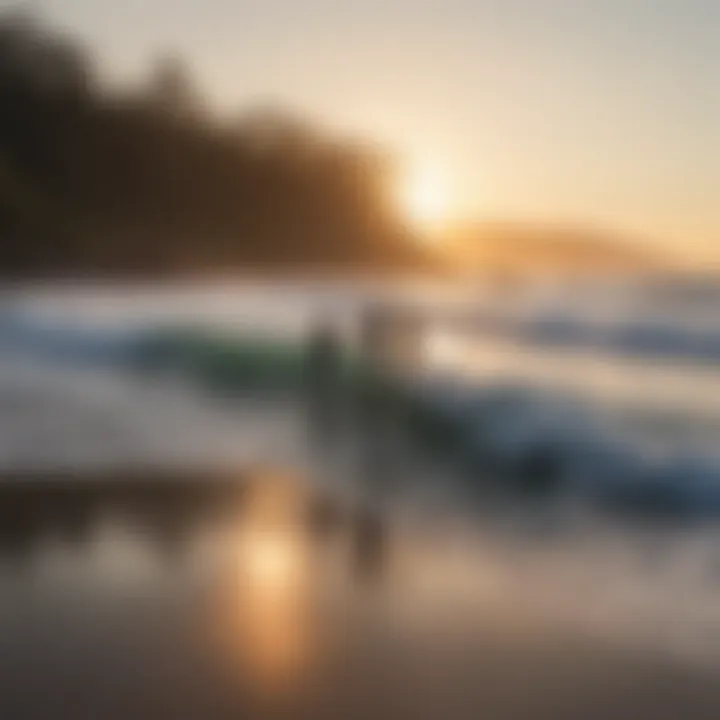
(323, 367)
(379, 400)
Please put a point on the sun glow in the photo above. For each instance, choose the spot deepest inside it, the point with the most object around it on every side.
(424, 197)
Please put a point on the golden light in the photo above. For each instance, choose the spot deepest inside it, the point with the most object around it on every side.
(268, 618)
(424, 197)
(442, 349)
(272, 561)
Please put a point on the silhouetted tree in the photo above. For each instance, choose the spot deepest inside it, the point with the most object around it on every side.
(94, 179)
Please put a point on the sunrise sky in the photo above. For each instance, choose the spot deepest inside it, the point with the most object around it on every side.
(596, 111)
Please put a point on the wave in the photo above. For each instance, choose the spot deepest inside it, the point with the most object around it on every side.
(649, 338)
(512, 438)
(523, 441)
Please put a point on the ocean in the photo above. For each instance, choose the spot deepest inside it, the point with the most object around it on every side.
(564, 542)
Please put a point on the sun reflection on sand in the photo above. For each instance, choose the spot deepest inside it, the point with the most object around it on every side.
(268, 605)
(275, 614)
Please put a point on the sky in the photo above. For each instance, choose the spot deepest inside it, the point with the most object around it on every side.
(601, 112)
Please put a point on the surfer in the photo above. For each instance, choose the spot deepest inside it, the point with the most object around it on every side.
(323, 376)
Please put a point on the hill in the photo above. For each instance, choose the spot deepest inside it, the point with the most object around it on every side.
(527, 248)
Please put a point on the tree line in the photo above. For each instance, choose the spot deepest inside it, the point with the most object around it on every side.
(96, 179)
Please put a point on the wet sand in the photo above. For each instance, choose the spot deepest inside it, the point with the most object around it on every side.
(204, 596)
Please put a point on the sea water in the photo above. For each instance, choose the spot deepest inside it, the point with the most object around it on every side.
(615, 381)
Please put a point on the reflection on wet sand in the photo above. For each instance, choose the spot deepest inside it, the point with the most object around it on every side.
(370, 546)
(275, 615)
(69, 511)
(273, 582)
(206, 598)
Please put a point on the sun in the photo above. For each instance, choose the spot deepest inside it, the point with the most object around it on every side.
(424, 197)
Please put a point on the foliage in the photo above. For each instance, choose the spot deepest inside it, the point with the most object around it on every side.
(97, 180)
